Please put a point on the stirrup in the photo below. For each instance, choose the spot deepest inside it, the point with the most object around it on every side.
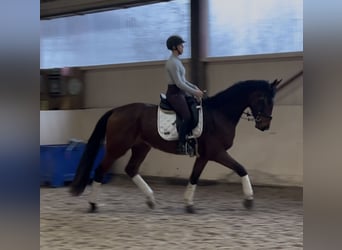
(190, 149)
(191, 145)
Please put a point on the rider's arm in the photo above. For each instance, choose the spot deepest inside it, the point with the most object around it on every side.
(175, 73)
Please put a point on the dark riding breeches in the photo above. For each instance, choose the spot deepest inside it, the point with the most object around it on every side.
(176, 98)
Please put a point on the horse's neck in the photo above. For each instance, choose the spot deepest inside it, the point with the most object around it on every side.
(232, 110)
(234, 113)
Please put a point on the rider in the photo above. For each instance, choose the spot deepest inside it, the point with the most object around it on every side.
(179, 88)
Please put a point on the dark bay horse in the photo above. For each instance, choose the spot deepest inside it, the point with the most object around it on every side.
(134, 127)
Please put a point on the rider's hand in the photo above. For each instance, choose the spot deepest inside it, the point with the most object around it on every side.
(199, 93)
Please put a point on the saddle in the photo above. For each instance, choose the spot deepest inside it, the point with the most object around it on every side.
(193, 105)
(169, 121)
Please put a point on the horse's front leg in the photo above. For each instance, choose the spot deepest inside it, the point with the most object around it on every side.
(226, 160)
(190, 189)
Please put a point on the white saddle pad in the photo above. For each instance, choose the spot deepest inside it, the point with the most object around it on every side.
(167, 125)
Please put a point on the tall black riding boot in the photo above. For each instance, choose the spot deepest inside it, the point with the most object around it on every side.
(181, 148)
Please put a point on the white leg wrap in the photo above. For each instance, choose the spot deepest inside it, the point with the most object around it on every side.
(247, 188)
(95, 189)
(143, 186)
(189, 194)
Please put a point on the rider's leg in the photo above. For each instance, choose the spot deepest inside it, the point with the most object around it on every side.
(179, 104)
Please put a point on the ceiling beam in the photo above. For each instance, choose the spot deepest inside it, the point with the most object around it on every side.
(50, 9)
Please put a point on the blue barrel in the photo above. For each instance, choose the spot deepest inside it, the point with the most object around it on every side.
(58, 163)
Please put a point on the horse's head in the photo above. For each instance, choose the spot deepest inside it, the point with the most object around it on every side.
(261, 105)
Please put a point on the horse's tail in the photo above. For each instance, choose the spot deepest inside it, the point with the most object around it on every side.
(85, 165)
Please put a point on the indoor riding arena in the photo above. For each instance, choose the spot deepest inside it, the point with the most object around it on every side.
(101, 55)
(125, 222)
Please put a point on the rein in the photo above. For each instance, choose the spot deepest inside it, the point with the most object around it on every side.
(250, 117)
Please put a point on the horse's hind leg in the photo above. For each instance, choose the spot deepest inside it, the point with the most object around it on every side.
(100, 171)
(139, 153)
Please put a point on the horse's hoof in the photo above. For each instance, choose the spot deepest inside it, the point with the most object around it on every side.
(248, 204)
(76, 191)
(93, 207)
(190, 209)
(150, 204)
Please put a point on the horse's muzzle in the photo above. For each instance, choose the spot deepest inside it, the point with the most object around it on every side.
(262, 127)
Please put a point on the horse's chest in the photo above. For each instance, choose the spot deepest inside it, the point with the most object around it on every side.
(228, 142)
(223, 138)
(227, 137)
(222, 131)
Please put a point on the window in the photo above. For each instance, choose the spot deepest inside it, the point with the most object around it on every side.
(248, 27)
(119, 36)
(244, 27)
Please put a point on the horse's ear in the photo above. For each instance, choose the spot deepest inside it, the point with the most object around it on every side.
(275, 83)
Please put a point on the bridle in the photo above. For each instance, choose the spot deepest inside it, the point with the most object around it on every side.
(257, 118)
(260, 113)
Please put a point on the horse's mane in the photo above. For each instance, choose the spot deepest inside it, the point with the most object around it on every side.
(237, 91)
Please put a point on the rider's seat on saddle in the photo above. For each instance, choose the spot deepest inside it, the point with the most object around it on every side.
(164, 104)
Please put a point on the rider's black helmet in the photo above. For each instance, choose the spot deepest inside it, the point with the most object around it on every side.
(173, 41)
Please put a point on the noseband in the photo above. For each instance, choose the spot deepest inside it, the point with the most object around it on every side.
(261, 114)
(257, 118)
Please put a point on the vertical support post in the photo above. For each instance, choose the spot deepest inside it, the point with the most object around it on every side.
(199, 40)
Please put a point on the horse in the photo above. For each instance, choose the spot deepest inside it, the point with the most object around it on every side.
(134, 127)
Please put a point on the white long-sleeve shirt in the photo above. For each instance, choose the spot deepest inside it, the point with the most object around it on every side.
(176, 75)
